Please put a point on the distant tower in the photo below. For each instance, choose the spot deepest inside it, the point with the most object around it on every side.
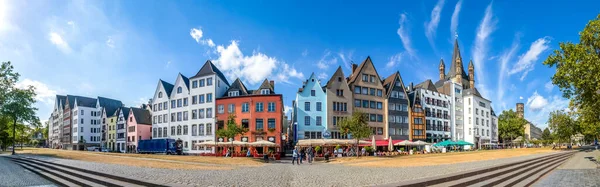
(471, 74)
(442, 69)
(520, 110)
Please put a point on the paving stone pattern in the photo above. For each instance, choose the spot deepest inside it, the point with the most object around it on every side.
(12, 174)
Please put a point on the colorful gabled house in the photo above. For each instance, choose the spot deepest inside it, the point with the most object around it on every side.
(139, 127)
(397, 108)
(310, 110)
(339, 103)
(368, 95)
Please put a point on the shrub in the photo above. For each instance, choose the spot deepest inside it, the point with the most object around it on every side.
(402, 149)
(338, 147)
(318, 149)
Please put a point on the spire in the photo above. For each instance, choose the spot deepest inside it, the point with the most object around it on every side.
(456, 67)
(471, 74)
(442, 69)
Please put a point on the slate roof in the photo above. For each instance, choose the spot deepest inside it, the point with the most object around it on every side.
(472, 91)
(110, 105)
(61, 99)
(456, 54)
(142, 116)
(208, 69)
(167, 86)
(125, 111)
(186, 81)
(427, 84)
(265, 85)
(238, 85)
(355, 74)
(81, 101)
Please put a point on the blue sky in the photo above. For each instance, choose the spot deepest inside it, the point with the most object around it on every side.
(120, 49)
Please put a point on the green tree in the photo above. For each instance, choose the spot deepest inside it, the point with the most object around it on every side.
(16, 103)
(563, 126)
(546, 136)
(356, 125)
(232, 129)
(577, 74)
(510, 125)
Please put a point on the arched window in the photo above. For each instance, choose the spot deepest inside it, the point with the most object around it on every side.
(159, 94)
(179, 90)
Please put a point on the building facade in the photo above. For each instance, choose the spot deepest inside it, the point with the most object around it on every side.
(417, 116)
(260, 111)
(339, 103)
(368, 95)
(437, 108)
(107, 108)
(188, 96)
(397, 107)
(86, 123)
(56, 122)
(310, 108)
(121, 131)
(531, 131)
(112, 131)
(139, 127)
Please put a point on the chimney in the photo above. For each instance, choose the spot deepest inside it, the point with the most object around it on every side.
(354, 66)
(272, 82)
(411, 87)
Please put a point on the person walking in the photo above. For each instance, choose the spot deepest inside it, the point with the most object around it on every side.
(295, 155)
(248, 153)
(311, 155)
(302, 155)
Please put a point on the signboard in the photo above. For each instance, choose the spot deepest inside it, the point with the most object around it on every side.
(244, 139)
(220, 139)
(271, 138)
(295, 131)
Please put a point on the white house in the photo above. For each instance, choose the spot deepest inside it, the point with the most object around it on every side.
(86, 123)
(121, 132)
(437, 108)
(478, 118)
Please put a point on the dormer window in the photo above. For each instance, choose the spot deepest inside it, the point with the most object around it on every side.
(265, 91)
(398, 83)
(339, 79)
(179, 89)
(159, 94)
(234, 93)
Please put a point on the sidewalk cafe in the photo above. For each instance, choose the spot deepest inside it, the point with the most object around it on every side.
(222, 148)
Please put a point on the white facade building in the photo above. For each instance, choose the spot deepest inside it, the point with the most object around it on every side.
(121, 131)
(438, 114)
(86, 123)
(55, 122)
(190, 103)
(478, 119)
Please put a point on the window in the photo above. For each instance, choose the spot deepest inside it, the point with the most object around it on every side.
(372, 91)
(154, 120)
(379, 131)
(357, 103)
(209, 97)
(365, 78)
(469, 131)
(194, 114)
(179, 130)
(185, 101)
(172, 130)
(365, 91)
(379, 118)
(469, 110)
(194, 84)
(271, 107)
(271, 123)
(173, 117)
(159, 106)
(318, 106)
(365, 104)
(154, 133)
(185, 130)
(179, 89)
(209, 82)
(372, 104)
(200, 113)
(154, 108)
(476, 121)
(307, 120)
(179, 103)
(379, 105)
(259, 107)
(164, 131)
(185, 115)
(233, 93)
(245, 107)
(201, 82)
(372, 117)
(312, 93)
(318, 121)
(339, 92)
(194, 100)
(194, 147)
(81, 121)
(245, 123)
(265, 91)
(357, 89)
(259, 124)
(306, 106)
(476, 111)
(231, 108)
(201, 130)
(159, 94)
(201, 98)
(209, 113)
(220, 109)
(418, 121)
(372, 78)
(185, 144)
(165, 105)
(379, 93)
(173, 103)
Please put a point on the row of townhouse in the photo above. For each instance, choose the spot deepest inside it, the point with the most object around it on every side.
(193, 109)
(450, 109)
(79, 123)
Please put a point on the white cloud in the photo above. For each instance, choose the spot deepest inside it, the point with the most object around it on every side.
(431, 26)
(326, 60)
(454, 21)
(305, 53)
(71, 23)
(536, 102)
(287, 110)
(60, 43)
(549, 86)
(287, 72)
(346, 58)
(403, 34)
(44, 93)
(527, 61)
(504, 59)
(394, 60)
(110, 42)
(197, 34)
(521, 97)
(539, 116)
(322, 76)
(168, 64)
(480, 48)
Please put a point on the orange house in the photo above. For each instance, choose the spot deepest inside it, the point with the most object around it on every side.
(260, 111)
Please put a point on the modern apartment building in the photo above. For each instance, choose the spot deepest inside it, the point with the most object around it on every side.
(339, 103)
(86, 123)
(260, 111)
(139, 127)
(397, 106)
(437, 108)
(368, 95)
(188, 96)
(310, 109)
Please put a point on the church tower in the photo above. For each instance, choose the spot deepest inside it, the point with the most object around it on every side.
(442, 69)
(471, 75)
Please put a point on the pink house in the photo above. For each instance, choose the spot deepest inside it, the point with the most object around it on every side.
(138, 127)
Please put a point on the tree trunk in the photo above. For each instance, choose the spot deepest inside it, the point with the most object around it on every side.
(14, 134)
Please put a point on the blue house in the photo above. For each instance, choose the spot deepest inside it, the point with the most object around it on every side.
(310, 110)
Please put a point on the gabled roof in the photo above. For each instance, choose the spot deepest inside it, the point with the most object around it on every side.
(238, 85)
(60, 99)
(472, 91)
(110, 105)
(209, 69)
(186, 81)
(338, 73)
(427, 84)
(125, 111)
(456, 54)
(167, 86)
(265, 85)
(355, 74)
(85, 101)
(142, 116)
(388, 83)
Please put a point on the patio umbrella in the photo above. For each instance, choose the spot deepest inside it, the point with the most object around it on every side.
(206, 143)
(462, 142)
(262, 143)
(402, 143)
(390, 145)
(421, 143)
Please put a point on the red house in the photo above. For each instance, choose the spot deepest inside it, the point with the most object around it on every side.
(260, 110)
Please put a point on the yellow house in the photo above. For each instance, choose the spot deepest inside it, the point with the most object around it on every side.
(112, 132)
